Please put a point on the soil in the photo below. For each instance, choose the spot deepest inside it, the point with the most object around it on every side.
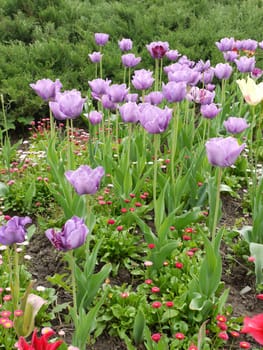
(242, 295)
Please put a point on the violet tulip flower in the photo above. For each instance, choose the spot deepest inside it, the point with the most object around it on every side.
(172, 55)
(68, 105)
(226, 44)
(154, 119)
(223, 152)
(14, 230)
(230, 56)
(129, 60)
(99, 87)
(202, 66)
(94, 117)
(235, 125)
(202, 96)
(107, 103)
(46, 88)
(125, 44)
(245, 64)
(85, 180)
(72, 235)
(246, 44)
(223, 70)
(95, 57)
(154, 97)
(173, 91)
(130, 112)
(117, 92)
(209, 111)
(142, 79)
(158, 49)
(260, 45)
(101, 39)
(131, 97)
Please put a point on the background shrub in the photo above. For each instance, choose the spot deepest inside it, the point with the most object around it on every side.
(52, 39)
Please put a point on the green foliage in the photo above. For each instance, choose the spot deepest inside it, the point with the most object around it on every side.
(40, 39)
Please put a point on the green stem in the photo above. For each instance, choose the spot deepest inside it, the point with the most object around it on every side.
(51, 123)
(17, 279)
(217, 204)
(73, 282)
(174, 139)
(156, 82)
(156, 142)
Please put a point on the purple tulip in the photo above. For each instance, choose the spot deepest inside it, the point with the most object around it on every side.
(256, 73)
(223, 70)
(14, 230)
(202, 96)
(107, 103)
(235, 125)
(230, 56)
(130, 112)
(142, 79)
(226, 44)
(223, 152)
(208, 76)
(117, 92)
(72, 235)
(68, 105)
(131, 98)
(247, 45)
(101, 39)
(99, 87)
(158, 49)
(154, 119)
(154, 97)
(95, 57)
(209, 111)
(94, 117)
(260, 45)
(186, 74)
(202, 66)
(172, 55)
(129, 60)
(174, 92)
(184, 60)
(85, 180)
(125, 44)
(46, 88)
(245, 64)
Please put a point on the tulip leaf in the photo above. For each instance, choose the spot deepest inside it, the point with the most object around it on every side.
(3, 189)
(256, 250)
(138, 327)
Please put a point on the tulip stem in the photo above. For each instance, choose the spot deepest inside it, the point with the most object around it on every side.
(73, 281)
(156, 142)
(174, 138)
(216, 213)
(51, 123)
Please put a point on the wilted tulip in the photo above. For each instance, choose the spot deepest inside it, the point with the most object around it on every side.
(68, 105)
(235, 125)
(101, 39)
(46, 88)
(72, 235)
(14, 230)
(223, 152)
(85, 180)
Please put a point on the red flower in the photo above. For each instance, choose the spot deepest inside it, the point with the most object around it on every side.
(259, 296)
(156, 337)
(179, 265)
(223, 335)
(156, 304)
(254, 327)
(179, 336)
(111, 221)
(39, 343)
(169, 303)
(244, 345)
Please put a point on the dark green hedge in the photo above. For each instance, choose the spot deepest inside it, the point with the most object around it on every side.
(52, 39)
